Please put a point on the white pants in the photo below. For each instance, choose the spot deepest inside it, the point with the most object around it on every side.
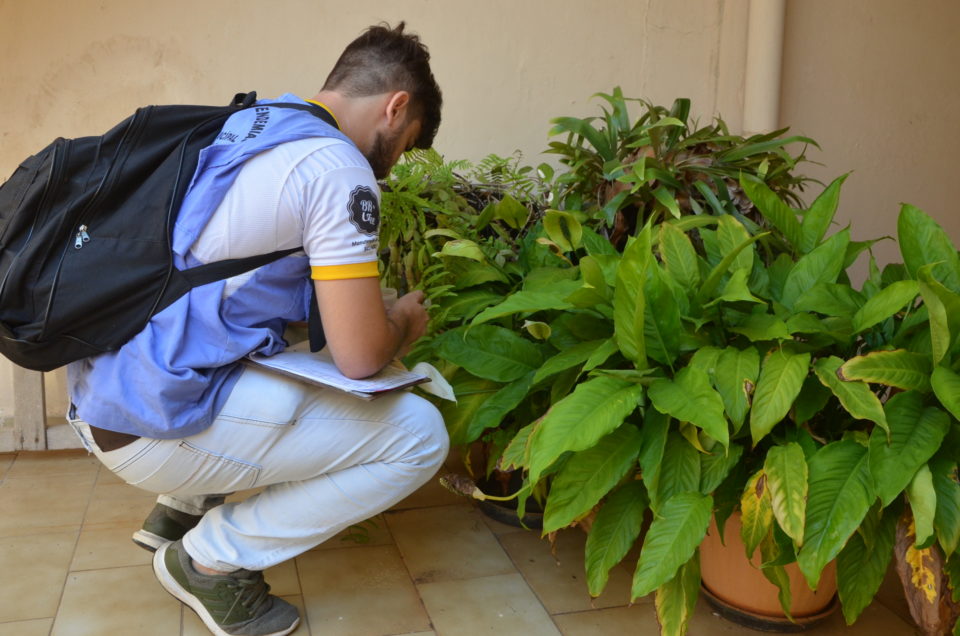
(328, 460)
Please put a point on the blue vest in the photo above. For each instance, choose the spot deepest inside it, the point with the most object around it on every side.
(172, 379)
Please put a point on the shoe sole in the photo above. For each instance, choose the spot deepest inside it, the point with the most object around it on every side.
(174, 588)
(148, 540)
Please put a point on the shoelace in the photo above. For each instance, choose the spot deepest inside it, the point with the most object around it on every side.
(252, 591)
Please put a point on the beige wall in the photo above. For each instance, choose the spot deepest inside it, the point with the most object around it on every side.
(873, 80)
(877, 83)
(506, 67)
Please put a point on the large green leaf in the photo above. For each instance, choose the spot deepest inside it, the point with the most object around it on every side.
(923, 504)
(923, 242)
(889, 301)
(594, 409)
(472, 393)
(567, 358)
(629, 302)
(830, 299)
(916, 432)
(736, 289)
(588, 475)
(677, 598)
(716, 466)
(466, 304)
(721, 269)
(854, 395)
(602, 353)
(786, 471)
(822, 265)
(735, 378)
(813, 397)
(662, 327)
(841, 492)
(771, 555)
(818, 218)
(679, 256)
(953, 572)
(514, 456)
(594, 291)
(490, 352)
(671, 541)
(943, 309)
(679, 471)
(613, 533)
(496, 407)
(730, 234)
(526, 302)
(946, 482)
(762, 327)
(772, 207)
(756, 513)
(468, 273)
(689, 397)
(781, 379)
(939, 318)
(900, 368)
(946, 386)
(863, 563)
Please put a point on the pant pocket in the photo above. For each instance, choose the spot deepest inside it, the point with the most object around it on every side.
(189, 470)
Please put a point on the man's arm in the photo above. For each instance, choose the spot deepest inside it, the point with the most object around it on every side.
(362, 336)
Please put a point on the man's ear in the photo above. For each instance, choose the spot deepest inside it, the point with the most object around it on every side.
(397, 108)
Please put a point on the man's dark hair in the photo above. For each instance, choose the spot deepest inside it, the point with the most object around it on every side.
(386, 59)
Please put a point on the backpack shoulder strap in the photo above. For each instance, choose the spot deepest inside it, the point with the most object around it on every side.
(318, 111)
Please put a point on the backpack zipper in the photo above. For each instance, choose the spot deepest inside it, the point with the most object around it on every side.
(82, 237)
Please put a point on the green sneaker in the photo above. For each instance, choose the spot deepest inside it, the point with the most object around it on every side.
(235, 604)
(163, 525)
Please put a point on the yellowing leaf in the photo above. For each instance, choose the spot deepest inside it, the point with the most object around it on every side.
(756, 513)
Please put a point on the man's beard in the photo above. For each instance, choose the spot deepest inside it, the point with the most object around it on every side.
(380, 156)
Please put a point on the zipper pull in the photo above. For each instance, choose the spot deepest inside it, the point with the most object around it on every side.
(82, 237)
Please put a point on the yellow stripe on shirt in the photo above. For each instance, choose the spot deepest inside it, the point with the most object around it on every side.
(326, 108)
(341, 272)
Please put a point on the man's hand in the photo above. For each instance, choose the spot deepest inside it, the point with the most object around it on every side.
(409, 311)
(361, 335)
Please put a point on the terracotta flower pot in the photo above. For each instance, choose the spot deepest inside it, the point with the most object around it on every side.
(741, 593)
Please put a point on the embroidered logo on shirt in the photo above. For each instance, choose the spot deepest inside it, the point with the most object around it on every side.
(364, 210)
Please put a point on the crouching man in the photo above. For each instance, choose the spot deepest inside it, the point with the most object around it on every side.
(175, 412)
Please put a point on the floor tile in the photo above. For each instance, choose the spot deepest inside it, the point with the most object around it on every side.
(107, 477)
(359, 591)
(38, 565)
(111, 547)
(99, 602)
(43, 504)
(283, 579)
(638, 619)
(39, 627)
(560, 581)
(447, 543)
(51, 463)
(502, 604)
(193, 626)
(118, 505)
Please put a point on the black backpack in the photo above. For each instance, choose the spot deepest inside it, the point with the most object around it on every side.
(85, 234)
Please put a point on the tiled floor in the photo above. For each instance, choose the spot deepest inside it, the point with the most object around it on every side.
(432, 565)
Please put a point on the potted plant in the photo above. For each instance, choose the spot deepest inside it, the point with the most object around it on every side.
(700, 351)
